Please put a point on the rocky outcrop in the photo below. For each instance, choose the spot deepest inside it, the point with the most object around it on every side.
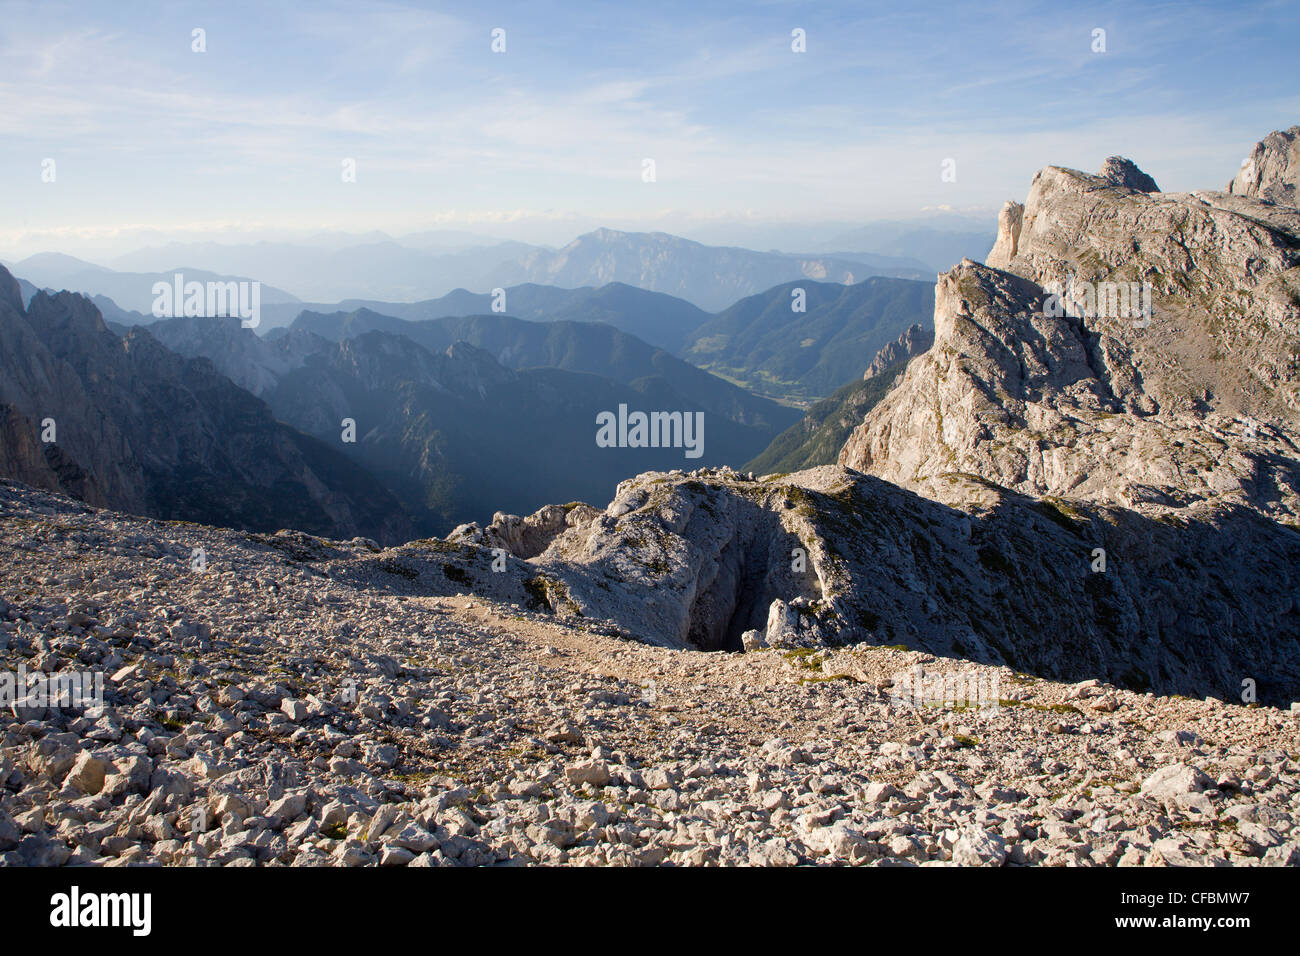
(1010, 221)
(1272, 170)
(714, 560)
(1043, 406)
(1177, 421)
(917, 339)
(1124, 172)
(524, 537)
(688, 563)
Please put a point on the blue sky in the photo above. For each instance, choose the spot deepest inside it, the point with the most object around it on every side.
(548, 138)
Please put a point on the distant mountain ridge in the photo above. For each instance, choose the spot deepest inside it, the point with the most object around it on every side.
(130, 291)
(711, 277)
(760, 342)
(380, 272)
(591, 348)
(378, 267)
(661, 320)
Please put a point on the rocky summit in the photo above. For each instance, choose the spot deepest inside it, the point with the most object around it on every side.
(1272, 170)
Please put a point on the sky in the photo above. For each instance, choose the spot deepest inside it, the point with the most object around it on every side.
(249, 138)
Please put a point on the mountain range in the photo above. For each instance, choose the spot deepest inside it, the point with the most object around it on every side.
(709, 277)
(761, 342)
(122, 422)
(463, 417)
(383, 269)
(447, 428)
(1087, 464)
(131, 292)
(661, 320)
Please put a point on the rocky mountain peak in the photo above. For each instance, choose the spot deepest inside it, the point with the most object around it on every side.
(917, 339)
(1090, 358)
(67, 313)
(1176, 281)
(1125, 172)
(11, 293)
(1272, 170)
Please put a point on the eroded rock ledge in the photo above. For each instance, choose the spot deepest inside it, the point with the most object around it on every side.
(697, 560)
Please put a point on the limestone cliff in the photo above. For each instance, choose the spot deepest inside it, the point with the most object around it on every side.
(1050, 375)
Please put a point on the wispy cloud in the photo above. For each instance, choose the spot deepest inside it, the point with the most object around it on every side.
(254, 130)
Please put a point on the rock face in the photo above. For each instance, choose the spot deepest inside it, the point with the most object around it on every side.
(1194, 403)
(1272, 171)
(1010, 221)
(41, 465)
(1181, 416)
(1045, 406)
(143, 430)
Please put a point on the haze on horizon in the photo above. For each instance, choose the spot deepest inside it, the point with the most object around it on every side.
(154, 142)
